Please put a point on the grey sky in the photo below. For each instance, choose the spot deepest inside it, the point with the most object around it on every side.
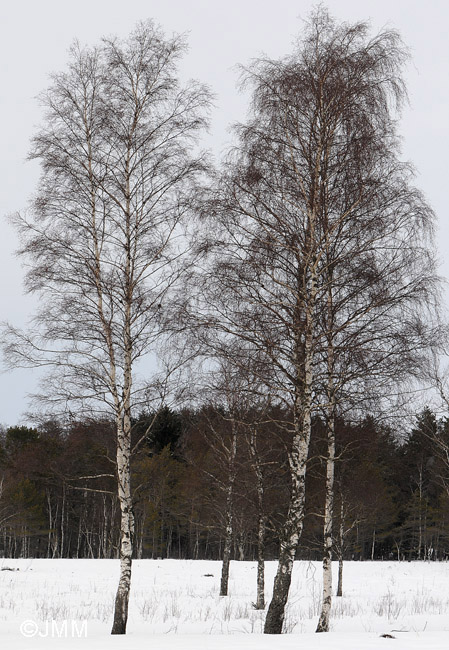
(34, 39)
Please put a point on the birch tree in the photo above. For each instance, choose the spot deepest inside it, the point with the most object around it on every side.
(320, 260)
(258, 469)
(223, 415)
(107, 232)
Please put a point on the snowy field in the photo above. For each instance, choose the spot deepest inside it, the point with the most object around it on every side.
(62, 604)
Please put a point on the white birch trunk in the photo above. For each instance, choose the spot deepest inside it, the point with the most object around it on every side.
(261, 522)
(224, 582)
(124, 446)
(126, 530)
(326, 603)
(298, 463)
(302, 412)
(323, 623)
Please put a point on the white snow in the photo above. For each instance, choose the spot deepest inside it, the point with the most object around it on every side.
(65, 604)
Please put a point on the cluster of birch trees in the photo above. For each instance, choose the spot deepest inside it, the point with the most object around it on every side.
(293, 283)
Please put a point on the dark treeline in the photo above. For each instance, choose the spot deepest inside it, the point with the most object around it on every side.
(58, 496)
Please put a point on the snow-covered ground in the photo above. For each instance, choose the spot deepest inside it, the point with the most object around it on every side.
(65, 604)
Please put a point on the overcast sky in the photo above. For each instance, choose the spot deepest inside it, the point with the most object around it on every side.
(36, 34)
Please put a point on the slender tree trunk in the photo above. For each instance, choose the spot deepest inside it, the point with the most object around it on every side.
(323, 623)
(420, 514)
(226, 557)
(229, 514)
(124, 435)
(78, 539)
(261, 524)
(298, 463)
(169, 540)
(260, 600)
(62, 522)
(141, 536)
(341, 539)
(326, 604)
(126, 534)
(292, 532)
(56, 532)
(197, 544)
(340, 577)
(241, 547)
(50, 524)
(125, 498)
